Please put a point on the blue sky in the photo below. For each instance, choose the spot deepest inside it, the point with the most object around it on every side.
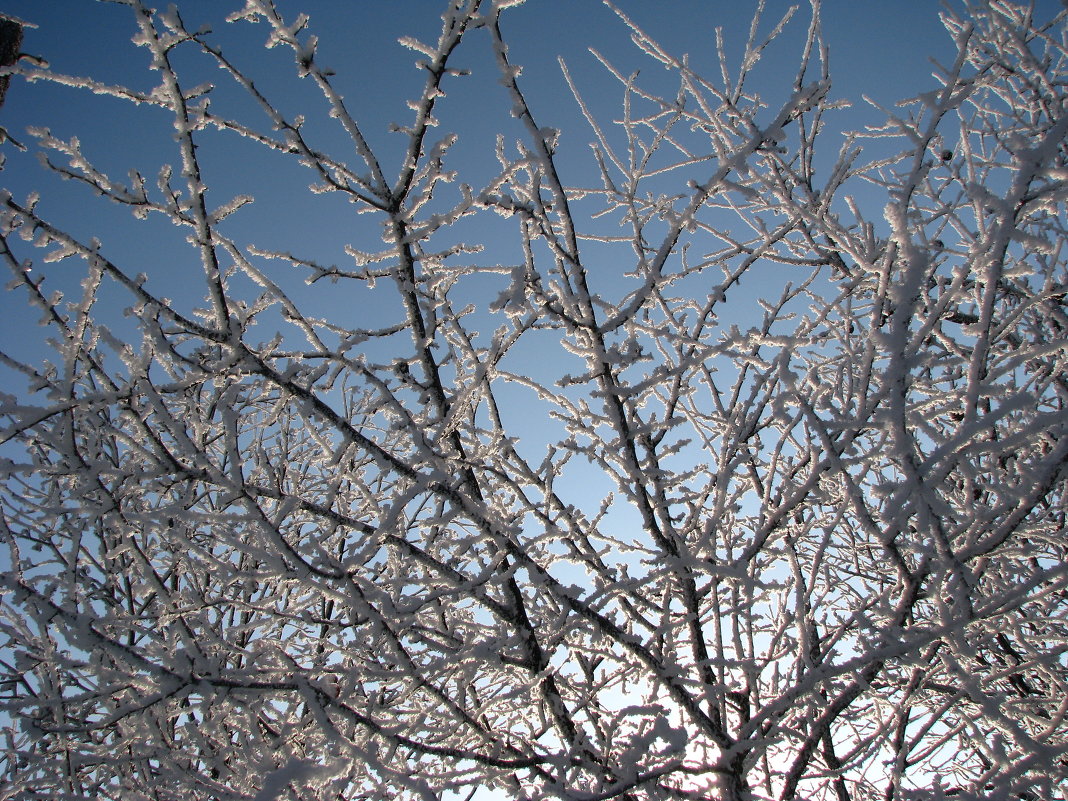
(877, 48)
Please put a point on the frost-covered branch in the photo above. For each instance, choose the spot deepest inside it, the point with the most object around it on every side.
(729, 467)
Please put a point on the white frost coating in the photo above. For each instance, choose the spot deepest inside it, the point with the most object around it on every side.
(226, 210)
(414, 44)
(293, 773)
(686, 475)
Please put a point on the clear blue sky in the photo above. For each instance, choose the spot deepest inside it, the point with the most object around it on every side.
(877, 48)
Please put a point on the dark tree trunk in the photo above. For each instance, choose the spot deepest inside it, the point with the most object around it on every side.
(10, 46)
